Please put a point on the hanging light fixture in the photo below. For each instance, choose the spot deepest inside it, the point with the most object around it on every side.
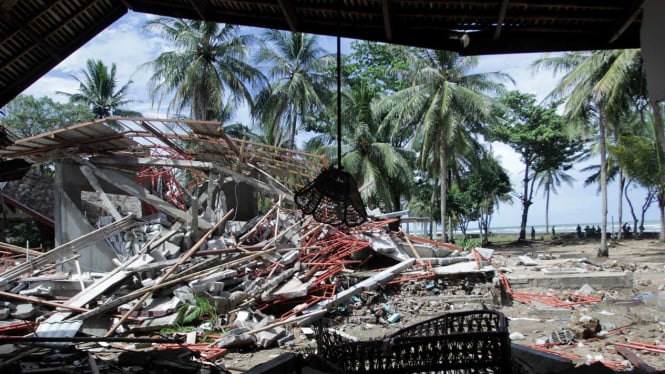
(333, 197)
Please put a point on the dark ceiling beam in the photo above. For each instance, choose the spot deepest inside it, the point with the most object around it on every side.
(481, 44)
(19, 84)
(201, 9)
(593, 5)
(41, 40)
(387, 22)
(35, 38)
(289, 13)
(634, 10)
(9, 19)
(502, 17)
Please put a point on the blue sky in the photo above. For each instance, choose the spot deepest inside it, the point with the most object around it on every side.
(125, 44)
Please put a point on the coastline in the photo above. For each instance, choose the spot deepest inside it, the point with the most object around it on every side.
(650, 228)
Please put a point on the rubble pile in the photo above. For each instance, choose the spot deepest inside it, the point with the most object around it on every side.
(237, 286)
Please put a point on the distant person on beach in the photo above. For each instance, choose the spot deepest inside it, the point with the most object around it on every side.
(588, 231)
(553, 232)
(578, 230)
(625, 230)
(533, 233)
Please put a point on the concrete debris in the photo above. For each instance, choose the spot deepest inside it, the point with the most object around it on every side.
(585, 290)
(527, 261)
(516, 336)
(24, 311)
(583, 326)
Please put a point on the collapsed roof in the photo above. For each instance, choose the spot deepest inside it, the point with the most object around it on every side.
(189, 144)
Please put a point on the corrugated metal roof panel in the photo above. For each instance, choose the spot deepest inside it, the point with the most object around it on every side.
(64, 329)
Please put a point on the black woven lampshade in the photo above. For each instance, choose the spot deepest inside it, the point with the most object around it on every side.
(333, 198)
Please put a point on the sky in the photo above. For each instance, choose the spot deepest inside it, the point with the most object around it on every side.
(128, 46)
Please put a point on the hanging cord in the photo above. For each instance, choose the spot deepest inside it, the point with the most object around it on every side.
(339, 96)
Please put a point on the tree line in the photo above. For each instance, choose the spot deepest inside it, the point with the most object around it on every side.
(417, 124)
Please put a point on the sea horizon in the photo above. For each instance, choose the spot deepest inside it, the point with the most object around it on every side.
(649, 226)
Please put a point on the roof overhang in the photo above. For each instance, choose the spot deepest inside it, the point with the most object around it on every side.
(37, 35)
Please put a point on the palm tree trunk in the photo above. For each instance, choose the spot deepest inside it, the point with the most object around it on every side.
(432, 210)
(661, 207)
(451, 231)
(525, 201)
(444, 187)
(547, 210)
(660, 136)
(658, 124)
(397, 203)
(630, 207)
(292, 136)
(603, 250)
(622, 183)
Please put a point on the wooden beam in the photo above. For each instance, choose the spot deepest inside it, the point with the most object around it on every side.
(638, 363)
(159, 135)
(134, 189)
(277, 190)
(271, 179)
(19, 250)
(116, 276)
(75, 245)
(87, 173)
(387, 21)
(371, 283)
(256, 183)
(501, 19)
(35, 300)
(633, 11)
(289, 13)
(147, 161)
(201, 9)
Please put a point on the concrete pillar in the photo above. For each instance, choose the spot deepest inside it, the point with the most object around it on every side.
(71, 224)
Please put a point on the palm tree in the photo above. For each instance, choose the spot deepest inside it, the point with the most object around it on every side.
(550, 180)
(97, 89)
(599, 87)
(643, 159)
(640, 157)
(299, 86)
(372, 159)
(207, 67)
(631, 123)
(441, 102)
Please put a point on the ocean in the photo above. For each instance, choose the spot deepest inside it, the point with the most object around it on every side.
(649, 226)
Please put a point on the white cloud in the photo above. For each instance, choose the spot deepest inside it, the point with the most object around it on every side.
(49, 85)
(124, 44)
